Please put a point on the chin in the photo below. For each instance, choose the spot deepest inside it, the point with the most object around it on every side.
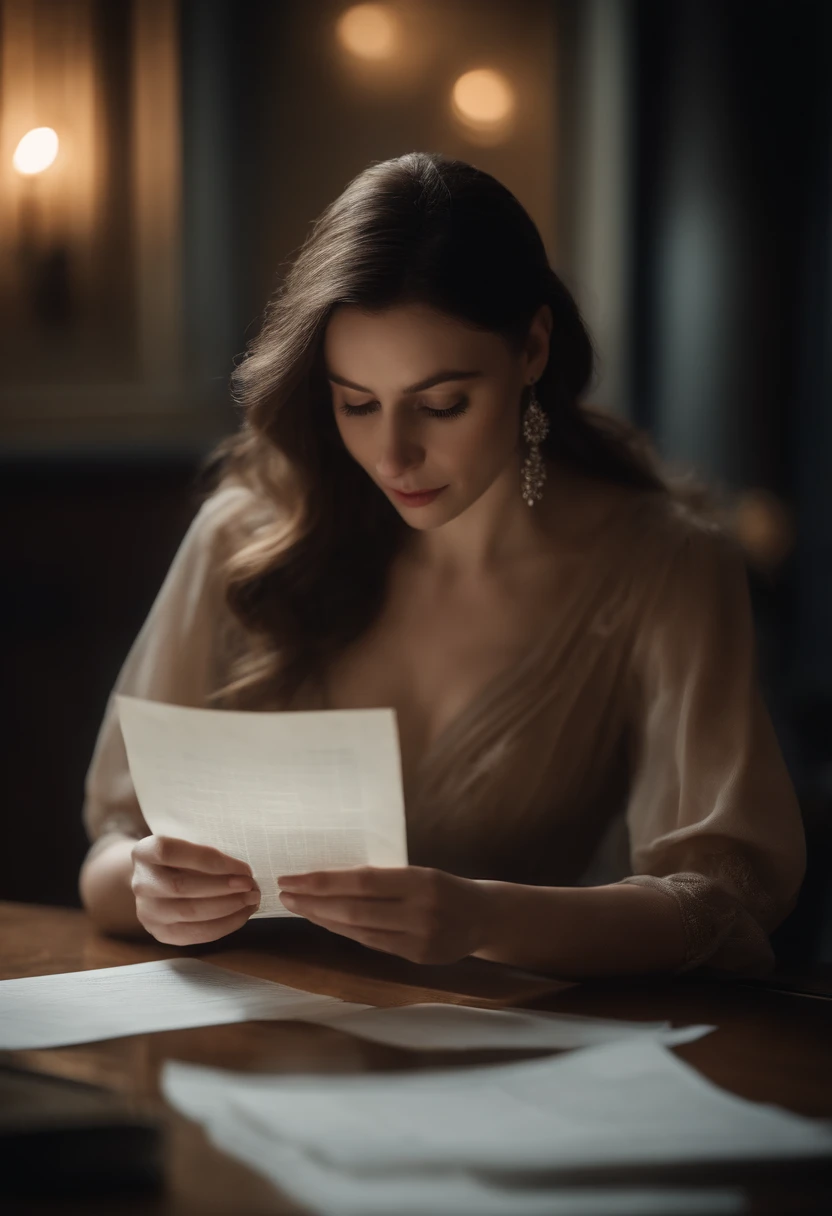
(424, 524)
(426, 519)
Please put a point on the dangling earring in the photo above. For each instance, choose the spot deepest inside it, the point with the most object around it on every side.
(535, 430)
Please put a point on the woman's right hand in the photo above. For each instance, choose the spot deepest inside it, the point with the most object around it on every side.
(189, 893)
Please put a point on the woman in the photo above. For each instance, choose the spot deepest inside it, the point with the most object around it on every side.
(419, 513)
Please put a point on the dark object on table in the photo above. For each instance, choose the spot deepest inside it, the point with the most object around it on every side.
(60, 1137)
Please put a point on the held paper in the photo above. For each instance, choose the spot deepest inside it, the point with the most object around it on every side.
(286, 792)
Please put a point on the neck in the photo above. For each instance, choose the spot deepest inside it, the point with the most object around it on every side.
(496, 531)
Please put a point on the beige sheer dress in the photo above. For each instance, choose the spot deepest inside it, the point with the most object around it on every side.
(631, 744)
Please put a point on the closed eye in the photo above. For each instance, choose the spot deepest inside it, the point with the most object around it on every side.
(453, 411)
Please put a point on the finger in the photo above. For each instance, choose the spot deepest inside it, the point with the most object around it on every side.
(403, 945)
(400, 944)
(191, 934)
(166, 881)
(380, 882)
(170, 851)
(393, 914)
(171, 911)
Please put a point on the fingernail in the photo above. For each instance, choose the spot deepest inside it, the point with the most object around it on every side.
(253, 897)
(239, 883)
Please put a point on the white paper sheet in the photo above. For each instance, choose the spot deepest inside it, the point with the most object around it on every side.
(337, 1192)
(171, 994)
(631, 1103)
(285, 792)
(441, 1027)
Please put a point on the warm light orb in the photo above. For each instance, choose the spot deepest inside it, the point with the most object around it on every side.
(369, 31)
(483, 98)
(764, 527)
(36, 151)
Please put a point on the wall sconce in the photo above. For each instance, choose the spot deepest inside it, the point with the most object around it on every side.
(45, 266)
(33, 155)
(50, 187)
(91, 260)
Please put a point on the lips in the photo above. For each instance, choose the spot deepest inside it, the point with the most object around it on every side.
(417, 498)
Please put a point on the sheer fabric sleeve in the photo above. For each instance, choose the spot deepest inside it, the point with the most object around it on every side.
(177, 657)
(712, 815)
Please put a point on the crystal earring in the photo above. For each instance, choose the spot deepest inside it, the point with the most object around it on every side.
(535, 430)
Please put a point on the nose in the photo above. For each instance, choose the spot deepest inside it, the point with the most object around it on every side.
(398, 452)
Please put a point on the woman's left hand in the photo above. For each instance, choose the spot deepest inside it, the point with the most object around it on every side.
(425, 915)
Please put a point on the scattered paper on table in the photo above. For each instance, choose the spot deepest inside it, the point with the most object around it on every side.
(627, 1104)
(500, 1140)
(286, 792)
(445, 1027)
(336, 1192)
(141, 998)
(172, 994)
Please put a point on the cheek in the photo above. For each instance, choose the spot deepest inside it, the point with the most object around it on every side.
(355, 440)
(485, 443)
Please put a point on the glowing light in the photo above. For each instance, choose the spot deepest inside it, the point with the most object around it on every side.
(764, 528)
(36, 151)
(483, 98)
(369, 31)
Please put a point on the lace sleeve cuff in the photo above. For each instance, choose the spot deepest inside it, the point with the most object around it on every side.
(719, 932)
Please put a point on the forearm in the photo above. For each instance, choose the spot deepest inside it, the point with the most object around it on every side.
(578, 932)
(105, 890)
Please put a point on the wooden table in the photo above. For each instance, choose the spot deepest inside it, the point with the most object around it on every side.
(771, 1045)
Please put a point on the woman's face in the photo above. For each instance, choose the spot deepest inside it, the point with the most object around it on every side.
(425, 403)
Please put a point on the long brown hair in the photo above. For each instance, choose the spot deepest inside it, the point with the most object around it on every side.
(313, 547)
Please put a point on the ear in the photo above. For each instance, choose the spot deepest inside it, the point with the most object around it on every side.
(537, 342)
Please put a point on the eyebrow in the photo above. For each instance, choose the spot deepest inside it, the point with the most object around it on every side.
(438, 378)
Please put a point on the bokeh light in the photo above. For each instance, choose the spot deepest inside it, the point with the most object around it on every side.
(369, 31)
(36, 151)
(483, 99)
(764, 527)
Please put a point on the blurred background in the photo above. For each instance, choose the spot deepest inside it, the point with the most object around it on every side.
(160, 160)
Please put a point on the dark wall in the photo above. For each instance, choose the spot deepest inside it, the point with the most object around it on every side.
(86, 545)
(733, 295)
(86, 539)
(732, 308)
